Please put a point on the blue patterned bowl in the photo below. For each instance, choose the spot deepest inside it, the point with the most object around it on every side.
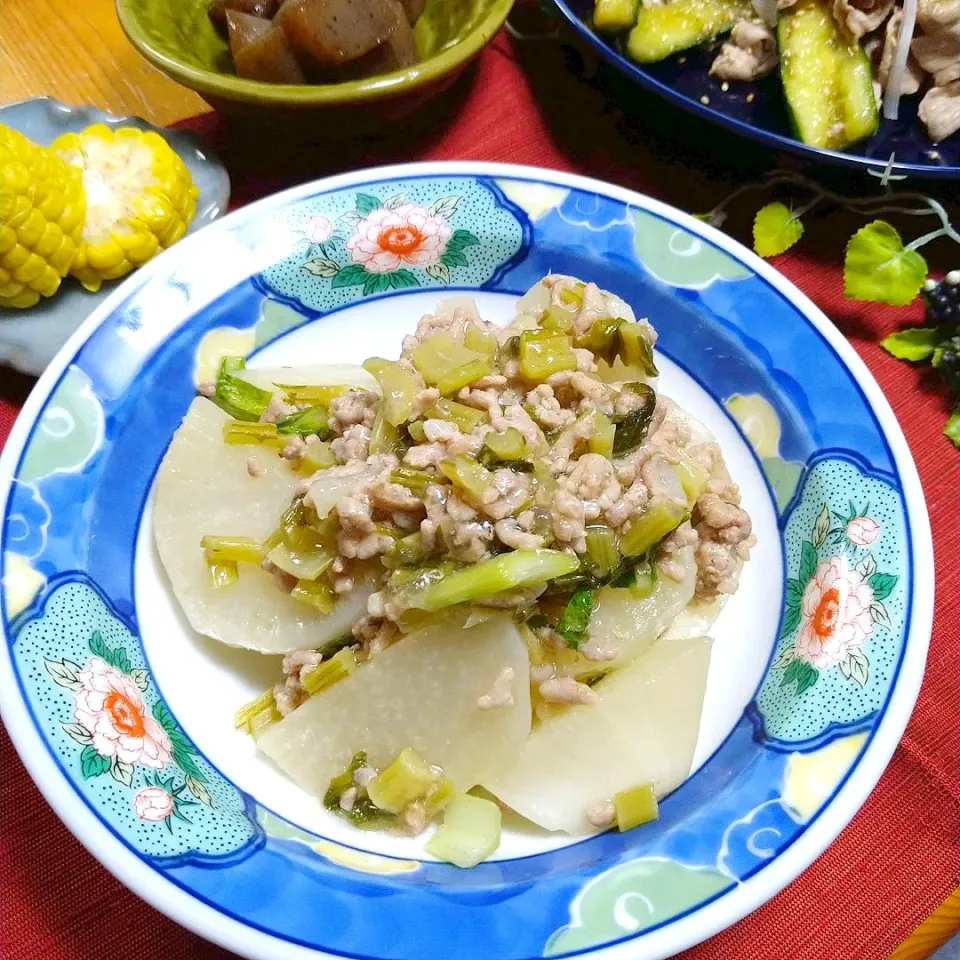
(124, 717)
(757, 110)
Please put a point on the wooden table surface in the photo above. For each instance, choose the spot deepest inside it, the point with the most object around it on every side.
(74, 50)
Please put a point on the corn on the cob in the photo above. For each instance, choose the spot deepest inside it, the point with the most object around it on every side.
(42, 207)
(140, 199)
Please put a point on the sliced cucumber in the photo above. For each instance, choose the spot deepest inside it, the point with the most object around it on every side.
(826, 78)
(613, 15)
(671, 27)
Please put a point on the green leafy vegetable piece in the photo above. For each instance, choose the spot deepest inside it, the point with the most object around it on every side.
(240, 399)
(879, 268)
(632, 429)
(313, 420)
(917, 343)
(509, 571)
(775, 230)
(952, 427)
(576, 617)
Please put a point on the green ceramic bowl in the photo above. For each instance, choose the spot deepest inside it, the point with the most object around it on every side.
(178, 38)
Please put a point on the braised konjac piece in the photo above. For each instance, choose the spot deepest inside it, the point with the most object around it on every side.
(261, 51)
(264, 9)
(298, 41)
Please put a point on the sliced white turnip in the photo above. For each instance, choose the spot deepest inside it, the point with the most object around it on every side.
(629, 625)
(421, 693)
(204, 488)
(643, 729)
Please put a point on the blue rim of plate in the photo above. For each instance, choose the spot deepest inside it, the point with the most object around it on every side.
(575, 882)
(780, 141)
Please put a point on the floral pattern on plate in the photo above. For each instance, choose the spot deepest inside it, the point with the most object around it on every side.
(116, 738)
(843, 609)
(394, 236)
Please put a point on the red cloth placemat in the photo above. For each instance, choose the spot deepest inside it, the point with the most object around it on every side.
(897, 861)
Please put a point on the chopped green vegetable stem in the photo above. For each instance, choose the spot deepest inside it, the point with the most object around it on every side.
(406, 779)
(509, 571)
(636, 806)
(329, 672)
(647, 530)
(470, 831)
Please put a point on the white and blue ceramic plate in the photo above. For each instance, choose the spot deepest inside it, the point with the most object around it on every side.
(29, 339)
(816, 664)
(757, 110)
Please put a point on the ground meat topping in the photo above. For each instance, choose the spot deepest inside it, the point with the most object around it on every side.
(276, 410)
(567, 690)
(500, 693)
(442, 498)
(602, 814)
(353, 445)
(353, 406)
(724, 530)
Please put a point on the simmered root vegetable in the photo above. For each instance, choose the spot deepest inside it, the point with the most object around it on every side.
(204, 486)
(643, 728)
(319, 41)
(471, 558)
(419, 694)
(261, 50)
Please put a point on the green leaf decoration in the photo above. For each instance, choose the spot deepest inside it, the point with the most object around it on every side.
(366, 203)
(794, 592)
(350, 276)
(376, 283)
(140, 677)
(791, 618)
(185, 762)
(856, 667)
(916, 343)
(92, 764)
(880, 616)
(121, 772)
(786, 656)
(806, 678)
(883, 584)
(821, 527)
(400, 279)
(775, 230)
(322, 267)
(808, 562)
(64, 673)
(454, 258)
(952, 428)
(114, 658)
(879, 268)
(439, 271)
(165, 718)
(461, 239)
(444, 207)
(78, 733)
(99, 648)
(199, 790)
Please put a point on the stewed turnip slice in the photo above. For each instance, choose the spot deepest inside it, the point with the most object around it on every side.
(421, 693)
(643, 729)
(204, 488)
